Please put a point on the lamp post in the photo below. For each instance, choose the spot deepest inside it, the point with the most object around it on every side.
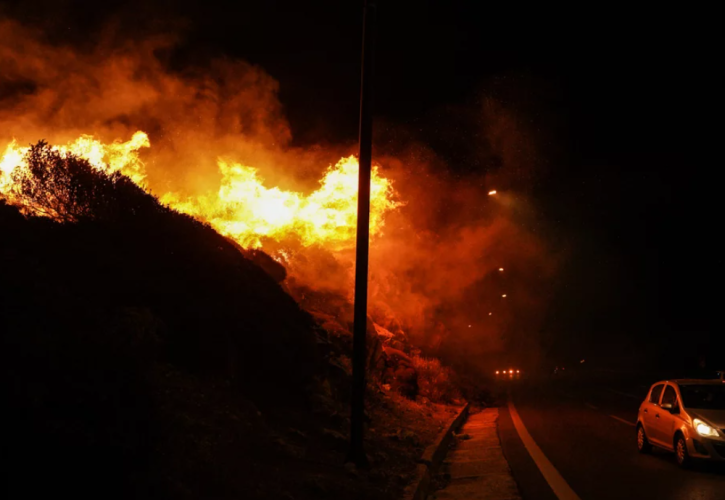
(356, 453)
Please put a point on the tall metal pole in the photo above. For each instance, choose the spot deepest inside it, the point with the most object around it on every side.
(359, 353)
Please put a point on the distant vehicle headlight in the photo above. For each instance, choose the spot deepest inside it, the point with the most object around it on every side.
(704, 429)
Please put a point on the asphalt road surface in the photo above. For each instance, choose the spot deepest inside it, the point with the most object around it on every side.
(585, 428)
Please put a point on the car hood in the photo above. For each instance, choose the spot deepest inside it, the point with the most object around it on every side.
(715, 417)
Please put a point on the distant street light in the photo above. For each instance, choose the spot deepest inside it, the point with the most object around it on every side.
(500, 269)
(492, 192)
(504, 295)
(490, 314)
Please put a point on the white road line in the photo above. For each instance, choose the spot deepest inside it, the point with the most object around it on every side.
(557, 483)
(589, 405)
(622, 420)
(622, 393)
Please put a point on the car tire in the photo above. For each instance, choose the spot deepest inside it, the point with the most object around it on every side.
(681, 453)
(643, 444)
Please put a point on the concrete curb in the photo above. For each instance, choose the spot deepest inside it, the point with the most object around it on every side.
(432, 458)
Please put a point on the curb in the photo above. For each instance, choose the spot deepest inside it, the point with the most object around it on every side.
(432, 457)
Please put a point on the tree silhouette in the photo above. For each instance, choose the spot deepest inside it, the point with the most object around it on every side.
(68, 188)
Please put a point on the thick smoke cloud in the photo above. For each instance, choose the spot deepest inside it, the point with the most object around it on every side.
(226, 108)
(434, 271)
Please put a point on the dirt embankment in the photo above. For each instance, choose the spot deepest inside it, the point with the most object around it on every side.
(144, 356)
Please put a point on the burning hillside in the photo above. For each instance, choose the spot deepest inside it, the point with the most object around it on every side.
(243, 208)
(132, 283)
(212, 141)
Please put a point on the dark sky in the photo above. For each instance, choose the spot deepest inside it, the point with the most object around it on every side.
(628, 98)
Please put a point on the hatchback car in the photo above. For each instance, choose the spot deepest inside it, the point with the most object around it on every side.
(684, 416)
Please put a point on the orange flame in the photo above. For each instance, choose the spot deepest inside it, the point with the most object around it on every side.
(117, 156)
(243, 208)
(248, 212)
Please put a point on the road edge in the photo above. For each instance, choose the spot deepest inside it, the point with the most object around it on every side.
(433, 456)
(556, 481)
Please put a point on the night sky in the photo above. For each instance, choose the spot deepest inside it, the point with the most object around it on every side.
(626, 101)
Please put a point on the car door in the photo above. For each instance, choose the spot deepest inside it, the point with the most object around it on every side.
(651, 407)
(664, 419)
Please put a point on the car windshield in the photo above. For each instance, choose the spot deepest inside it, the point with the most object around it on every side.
(703, 397)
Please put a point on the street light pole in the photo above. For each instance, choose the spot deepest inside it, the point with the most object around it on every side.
(359, 354)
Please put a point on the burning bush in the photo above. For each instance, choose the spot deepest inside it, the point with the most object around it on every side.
(67, 188)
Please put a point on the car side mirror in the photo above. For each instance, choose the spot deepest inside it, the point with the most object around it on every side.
(670, 408)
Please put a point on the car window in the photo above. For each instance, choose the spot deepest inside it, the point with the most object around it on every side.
(654, 396)
(670, 396)
(704, 397)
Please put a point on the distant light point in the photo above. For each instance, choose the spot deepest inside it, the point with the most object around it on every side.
(492, 192)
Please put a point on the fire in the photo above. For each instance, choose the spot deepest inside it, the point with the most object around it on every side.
(11, 160)
(243, 208)
(249, 212)
(117, 156)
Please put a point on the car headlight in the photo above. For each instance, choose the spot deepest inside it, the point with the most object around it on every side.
(704, 429)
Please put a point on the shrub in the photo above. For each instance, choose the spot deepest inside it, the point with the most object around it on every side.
(436, 382)
(68, 188)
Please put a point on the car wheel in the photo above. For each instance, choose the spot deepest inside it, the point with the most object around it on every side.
(681, 453)
(643, 444)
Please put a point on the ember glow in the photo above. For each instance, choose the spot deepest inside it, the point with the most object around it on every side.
(243, 208)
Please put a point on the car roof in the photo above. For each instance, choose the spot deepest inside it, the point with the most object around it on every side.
(695, 381)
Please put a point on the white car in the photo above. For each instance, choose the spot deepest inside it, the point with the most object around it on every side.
(684, 416)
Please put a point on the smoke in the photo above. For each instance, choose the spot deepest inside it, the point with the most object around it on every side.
(450, 256)
(226, 108)
(434, 272)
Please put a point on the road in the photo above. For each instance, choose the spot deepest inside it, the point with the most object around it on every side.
(585, 428)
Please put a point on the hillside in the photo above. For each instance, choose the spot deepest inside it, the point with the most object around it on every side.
(145, 356)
